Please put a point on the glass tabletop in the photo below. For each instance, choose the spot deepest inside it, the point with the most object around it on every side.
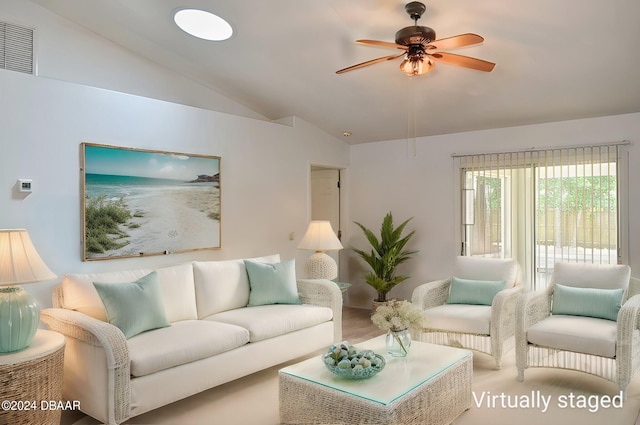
(401, 374)
(343, 285)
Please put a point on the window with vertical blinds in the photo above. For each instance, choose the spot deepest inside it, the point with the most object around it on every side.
(542, 206)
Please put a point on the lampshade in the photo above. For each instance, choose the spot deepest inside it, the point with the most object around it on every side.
(19, 311)
(320, 237)
(416, 65)
(19, 261)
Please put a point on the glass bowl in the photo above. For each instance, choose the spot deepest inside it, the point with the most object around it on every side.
(357, 373)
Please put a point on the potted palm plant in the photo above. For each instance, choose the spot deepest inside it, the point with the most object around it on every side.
(386, 254)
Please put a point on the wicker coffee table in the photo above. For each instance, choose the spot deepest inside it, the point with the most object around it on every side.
(432, 385)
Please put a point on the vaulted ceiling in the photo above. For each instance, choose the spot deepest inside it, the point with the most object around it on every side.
(555, 60)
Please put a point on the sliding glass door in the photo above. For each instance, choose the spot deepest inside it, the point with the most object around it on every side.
(542, 206)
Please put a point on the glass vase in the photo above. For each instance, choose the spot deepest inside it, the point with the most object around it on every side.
(398, 343)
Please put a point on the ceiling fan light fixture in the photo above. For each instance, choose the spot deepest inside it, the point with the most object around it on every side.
(417, 40)
(416, 66)
(203, 24)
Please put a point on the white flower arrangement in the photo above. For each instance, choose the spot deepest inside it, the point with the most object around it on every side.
(398, 315)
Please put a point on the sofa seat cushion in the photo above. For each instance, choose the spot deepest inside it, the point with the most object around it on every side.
(575, 333)
(268, 321)
(464, 318)
(181, 343)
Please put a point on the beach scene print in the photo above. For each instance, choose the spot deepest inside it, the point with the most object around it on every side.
(139, 202)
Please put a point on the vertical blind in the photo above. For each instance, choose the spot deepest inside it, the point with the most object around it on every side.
(541, 206)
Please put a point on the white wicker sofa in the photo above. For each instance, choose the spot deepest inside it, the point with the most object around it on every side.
(213, 336)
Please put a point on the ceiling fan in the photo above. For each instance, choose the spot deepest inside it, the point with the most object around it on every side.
(421, 49)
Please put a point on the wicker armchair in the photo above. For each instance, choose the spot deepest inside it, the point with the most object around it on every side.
(577, 338)
(485, 328)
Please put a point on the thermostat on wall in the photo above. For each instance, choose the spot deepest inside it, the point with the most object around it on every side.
(24, 185)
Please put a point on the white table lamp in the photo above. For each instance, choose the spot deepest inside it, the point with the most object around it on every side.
(320, 237)
(19, 311)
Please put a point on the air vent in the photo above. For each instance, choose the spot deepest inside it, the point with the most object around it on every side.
(16, 48)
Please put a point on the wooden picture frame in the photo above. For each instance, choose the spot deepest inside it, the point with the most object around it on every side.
(138, 202)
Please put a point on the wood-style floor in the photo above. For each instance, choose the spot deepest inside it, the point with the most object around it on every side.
(357, 325)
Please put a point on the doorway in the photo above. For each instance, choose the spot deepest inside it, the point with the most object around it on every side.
(325, 200)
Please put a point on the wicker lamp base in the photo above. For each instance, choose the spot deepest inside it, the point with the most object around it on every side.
(321, 266)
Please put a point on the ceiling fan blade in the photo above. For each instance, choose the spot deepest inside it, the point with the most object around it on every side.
(456, 41)
(466, 61)
(371, 62)
(382, 44)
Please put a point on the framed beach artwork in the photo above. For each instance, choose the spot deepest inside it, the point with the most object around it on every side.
(145, 202)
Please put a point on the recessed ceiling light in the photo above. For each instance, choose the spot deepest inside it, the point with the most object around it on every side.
(202, 24)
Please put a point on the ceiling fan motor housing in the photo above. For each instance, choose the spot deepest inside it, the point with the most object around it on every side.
(415, 35)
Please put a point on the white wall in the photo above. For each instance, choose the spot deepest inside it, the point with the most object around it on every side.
(44, 119)
(68, 52)
(264, 193)
(388, 176)
(264, 168)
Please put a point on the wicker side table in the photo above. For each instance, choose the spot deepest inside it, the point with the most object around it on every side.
(31, 379)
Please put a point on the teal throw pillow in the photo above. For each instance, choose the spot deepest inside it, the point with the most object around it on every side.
(272, 283)
(134, 307)
(477, 292)
(589, 302)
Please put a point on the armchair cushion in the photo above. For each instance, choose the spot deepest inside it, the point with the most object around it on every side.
(477, 292)
(603, 276)
(463, 318)
(575, 333)
(482, 268)
(590, 302)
